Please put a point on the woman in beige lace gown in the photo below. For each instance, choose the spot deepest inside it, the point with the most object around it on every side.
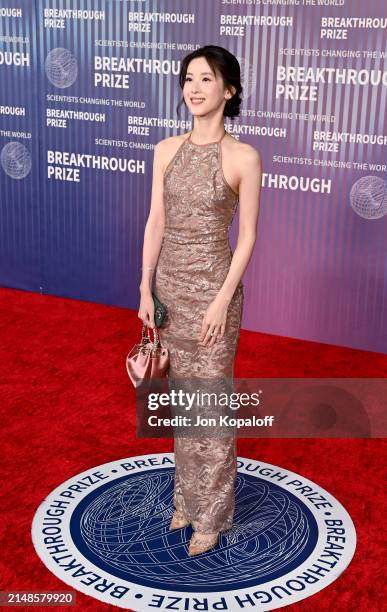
(194, 278)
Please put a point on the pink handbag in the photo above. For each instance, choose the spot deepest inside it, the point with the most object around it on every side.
(147, 359)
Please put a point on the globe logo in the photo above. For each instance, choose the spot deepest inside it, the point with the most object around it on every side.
(125, 529)
(368, 197)
(248, 77)
(61, 67)
(16, 160)
(105, 532)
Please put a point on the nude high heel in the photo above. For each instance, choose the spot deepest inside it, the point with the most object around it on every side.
(179, 520)
(202, 542)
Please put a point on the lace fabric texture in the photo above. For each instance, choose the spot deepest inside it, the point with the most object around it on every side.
(194, 261)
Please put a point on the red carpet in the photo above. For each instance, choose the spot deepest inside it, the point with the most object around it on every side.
(67, 405)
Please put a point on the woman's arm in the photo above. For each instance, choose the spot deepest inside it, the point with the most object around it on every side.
(249, 204)
(154, 229)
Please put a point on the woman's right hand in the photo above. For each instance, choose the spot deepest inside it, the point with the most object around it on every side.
(146, 311)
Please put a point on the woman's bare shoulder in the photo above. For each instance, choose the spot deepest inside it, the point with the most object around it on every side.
(167, 147)
(243, 148)
(246, 159)
(171, 141)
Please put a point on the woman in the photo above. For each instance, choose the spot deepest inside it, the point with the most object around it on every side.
(198, 180)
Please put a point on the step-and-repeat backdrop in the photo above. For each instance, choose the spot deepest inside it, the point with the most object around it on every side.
(88, 87)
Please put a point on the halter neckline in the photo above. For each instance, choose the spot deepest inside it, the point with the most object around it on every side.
(205, 144)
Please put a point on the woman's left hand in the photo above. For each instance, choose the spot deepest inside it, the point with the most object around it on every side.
(214, 320)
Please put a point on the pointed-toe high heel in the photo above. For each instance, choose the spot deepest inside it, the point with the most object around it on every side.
(202, 542)
(179, 520)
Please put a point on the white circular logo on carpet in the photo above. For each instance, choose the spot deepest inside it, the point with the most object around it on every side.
(105, 532)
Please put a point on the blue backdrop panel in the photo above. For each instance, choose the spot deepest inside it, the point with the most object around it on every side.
(20, 196)
(88, 221)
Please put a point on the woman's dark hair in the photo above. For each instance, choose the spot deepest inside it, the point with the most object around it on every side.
(223, 62)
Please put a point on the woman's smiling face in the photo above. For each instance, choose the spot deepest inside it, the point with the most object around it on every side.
(203, 91)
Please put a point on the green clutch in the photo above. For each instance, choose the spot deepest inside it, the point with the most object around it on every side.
(160, 310)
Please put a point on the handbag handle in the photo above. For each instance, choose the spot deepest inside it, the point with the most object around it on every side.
(145, 337)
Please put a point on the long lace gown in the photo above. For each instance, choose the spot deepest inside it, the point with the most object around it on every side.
(193, 263)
